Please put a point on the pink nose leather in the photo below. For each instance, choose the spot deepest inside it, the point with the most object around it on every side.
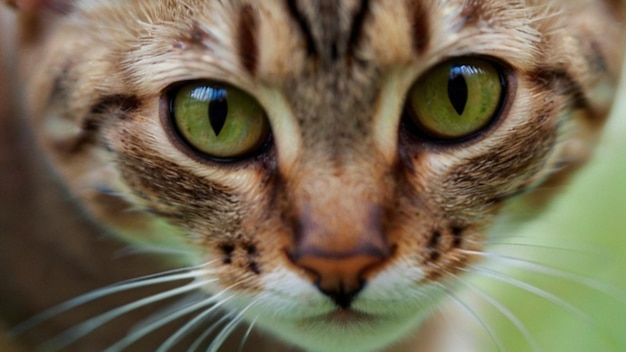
(341, 272)
(340, 257)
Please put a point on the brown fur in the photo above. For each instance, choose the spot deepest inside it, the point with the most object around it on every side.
(346, 192)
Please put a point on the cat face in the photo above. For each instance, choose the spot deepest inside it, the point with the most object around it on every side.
(335, 164)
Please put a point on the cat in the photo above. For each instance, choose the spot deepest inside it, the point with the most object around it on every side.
(324, 172)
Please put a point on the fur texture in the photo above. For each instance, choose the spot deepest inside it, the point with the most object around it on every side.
(346, 231)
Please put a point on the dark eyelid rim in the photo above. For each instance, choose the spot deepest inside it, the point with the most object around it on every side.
(166, 116)
(508, 79)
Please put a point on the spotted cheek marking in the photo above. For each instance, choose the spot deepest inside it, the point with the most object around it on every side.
(242, 256)
(446, 251)
(250, 252)
(237, 264)
(243, 260)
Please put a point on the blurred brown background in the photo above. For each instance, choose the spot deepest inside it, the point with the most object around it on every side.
(48, 250)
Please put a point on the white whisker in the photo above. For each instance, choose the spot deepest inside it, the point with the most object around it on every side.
(474, 316)
(504, 311)
(554, 272)
(180, 303)
(69, 336)
(520, 244)
(138, 334)
(230, 327)
(246, 335)
(148, 280)
(195, 346)
(498, 276)
(225, 333)
(145, 249)
(551, 243)
(189, 326)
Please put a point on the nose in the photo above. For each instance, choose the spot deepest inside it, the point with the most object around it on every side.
(340, 256)
(341, 275)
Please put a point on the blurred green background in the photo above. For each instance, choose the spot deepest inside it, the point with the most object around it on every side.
(568, 293)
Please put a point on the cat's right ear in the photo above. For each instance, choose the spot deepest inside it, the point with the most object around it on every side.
(33, 17)
(618, 8)
(36, 6)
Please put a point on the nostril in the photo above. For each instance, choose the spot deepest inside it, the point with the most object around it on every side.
(342, 297)
(340, 277)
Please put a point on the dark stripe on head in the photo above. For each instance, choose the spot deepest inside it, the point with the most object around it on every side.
(595, 59)
(196, 38)
(471, 12)
(247, 40)
(420, 23)
(118, 105)
(60, 93)
(107, 107)
(560, 81)
(357, 26)
(304, 25)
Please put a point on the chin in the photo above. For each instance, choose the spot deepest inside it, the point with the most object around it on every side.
(343, 330)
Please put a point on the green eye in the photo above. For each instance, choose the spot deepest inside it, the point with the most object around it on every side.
(219, 120)
(457, 98)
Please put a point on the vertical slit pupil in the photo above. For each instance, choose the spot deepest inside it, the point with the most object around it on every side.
(218, 110)
(457, 88)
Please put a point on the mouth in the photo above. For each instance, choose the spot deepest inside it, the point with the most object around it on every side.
(346, 318)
